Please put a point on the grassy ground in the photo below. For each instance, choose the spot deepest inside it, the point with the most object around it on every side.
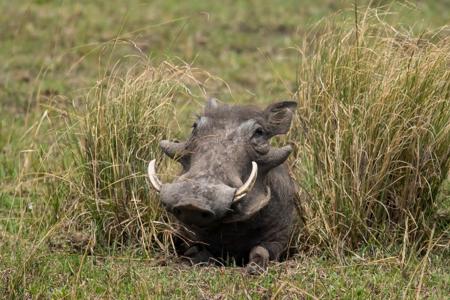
(52, 51)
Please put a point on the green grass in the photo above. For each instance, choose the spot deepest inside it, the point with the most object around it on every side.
(54, 52)
(78, 276)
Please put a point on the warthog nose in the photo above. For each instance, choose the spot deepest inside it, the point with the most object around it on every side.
(191, 214)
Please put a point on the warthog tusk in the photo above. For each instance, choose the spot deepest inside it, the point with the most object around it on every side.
(153, 177)
(248, 209)
(248, 185)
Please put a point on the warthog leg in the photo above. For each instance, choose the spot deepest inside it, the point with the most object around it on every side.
(259, 259)
(197, 255)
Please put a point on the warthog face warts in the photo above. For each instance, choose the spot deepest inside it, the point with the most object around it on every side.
(225, 161)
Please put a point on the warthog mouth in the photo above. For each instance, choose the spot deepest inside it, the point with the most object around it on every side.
(241, 207)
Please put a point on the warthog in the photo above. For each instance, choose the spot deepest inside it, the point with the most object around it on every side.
(235, 195)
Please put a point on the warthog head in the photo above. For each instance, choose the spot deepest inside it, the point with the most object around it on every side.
(225, 162)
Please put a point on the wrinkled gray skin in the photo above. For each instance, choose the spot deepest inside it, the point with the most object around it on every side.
(216, 161)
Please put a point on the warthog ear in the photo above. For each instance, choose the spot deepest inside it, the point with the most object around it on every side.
(278, 117)
(275, 157)
(175, 150)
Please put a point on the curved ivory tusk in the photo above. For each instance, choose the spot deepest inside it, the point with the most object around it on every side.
(153, 177)
(247, 210)
(248, 185)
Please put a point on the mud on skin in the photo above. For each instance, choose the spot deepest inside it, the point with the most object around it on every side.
(235, 197)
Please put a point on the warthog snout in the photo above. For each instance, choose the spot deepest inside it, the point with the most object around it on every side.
(199, 202)
(192, 214)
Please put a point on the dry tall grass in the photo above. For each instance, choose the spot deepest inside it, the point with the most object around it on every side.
(373, 132)
(112, 135)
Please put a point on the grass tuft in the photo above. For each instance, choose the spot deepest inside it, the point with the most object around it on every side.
(112, 134)
(373, 133)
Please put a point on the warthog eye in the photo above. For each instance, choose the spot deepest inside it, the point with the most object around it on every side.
(259, 135)
(259, 140)
(194, 127)
(259, 132)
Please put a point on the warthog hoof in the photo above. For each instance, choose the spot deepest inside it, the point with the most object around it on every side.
(259, 259)
(197, 255)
